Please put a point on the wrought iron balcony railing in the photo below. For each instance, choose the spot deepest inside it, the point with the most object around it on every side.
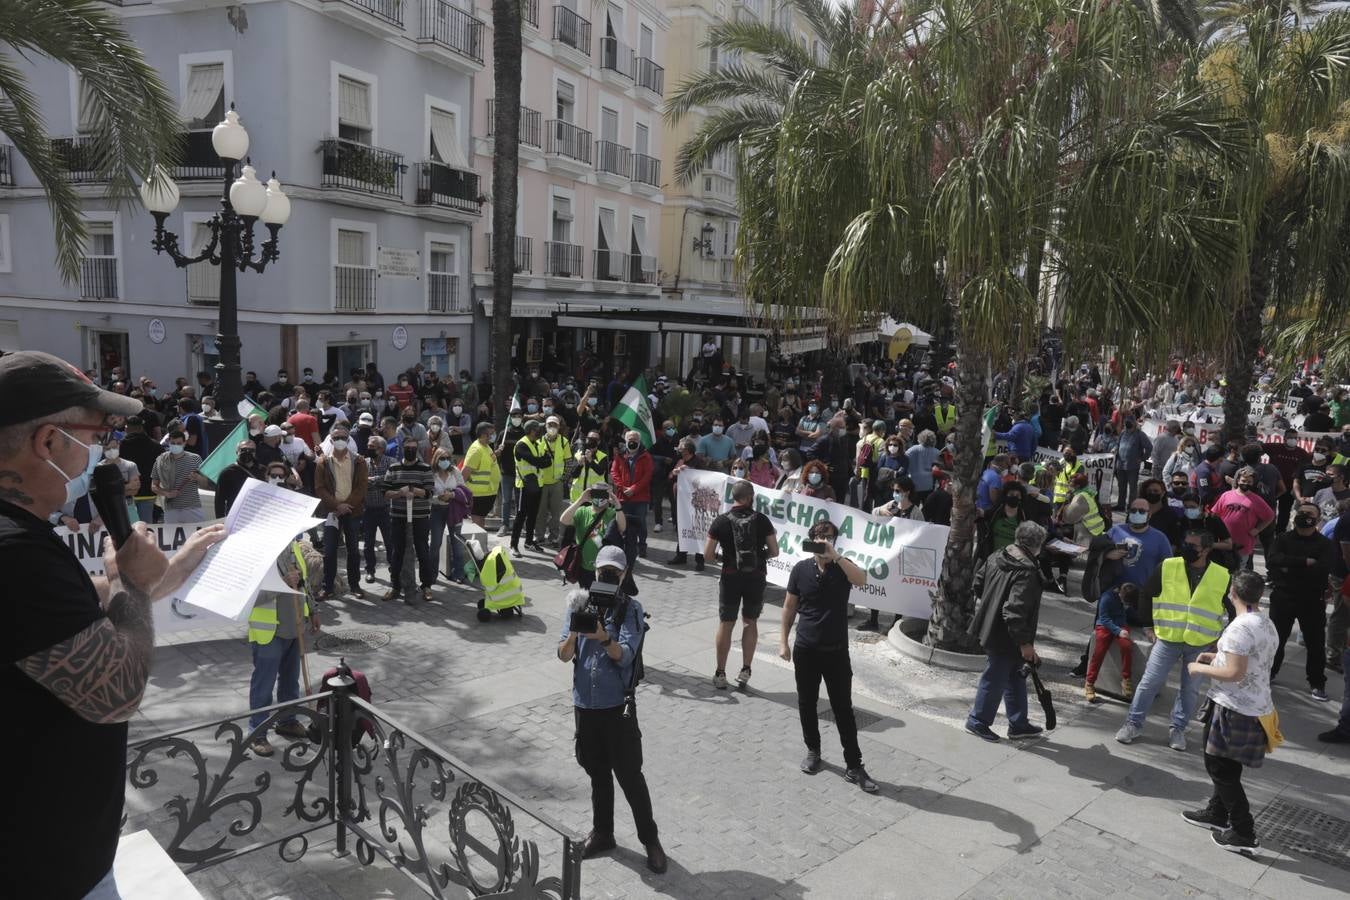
(566, 139)
(529, 11)
(353, 288)
(647, 169)
(390, 11)
(98, 278)
(531, 124)
(6, 166)
(617, 57)
(571, 29)
(522, 256)
(651, 76)
(611, 265)
(443, 293)
(78, 157)
(613, 158)
(198, 160)
(360, 167)
(641, 269)
(441, 185)
(562, 259)
(451, 27)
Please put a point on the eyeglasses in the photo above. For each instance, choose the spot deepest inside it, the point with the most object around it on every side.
(101, 432)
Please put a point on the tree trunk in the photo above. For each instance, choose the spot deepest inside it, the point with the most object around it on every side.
(1242, 350)
(506, 51)
(941, 349)
(954, 600)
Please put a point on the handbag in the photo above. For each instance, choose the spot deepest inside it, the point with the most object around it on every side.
(568, 558)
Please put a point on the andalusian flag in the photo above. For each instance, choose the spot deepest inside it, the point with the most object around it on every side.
(634, 412)
(224, 454)
(987, 431)
(515, 403)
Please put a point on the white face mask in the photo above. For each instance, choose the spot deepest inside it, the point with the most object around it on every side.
(112, 453)
(273, 479)
(177, 449)
(78, 486)
(340, 444)
(552, 431)
(443, 464)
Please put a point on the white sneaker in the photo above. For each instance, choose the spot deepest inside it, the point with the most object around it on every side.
(1319, 694)
(656, 528)
(1128, 733)
(1176, 739)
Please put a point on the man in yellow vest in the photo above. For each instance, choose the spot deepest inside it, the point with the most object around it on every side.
(274, 637)
(592, 467)
(1064, 480)
(558, 450)
(944, 411)
(482, 473)
(531, 456)
(502, 590)
(1188, 608)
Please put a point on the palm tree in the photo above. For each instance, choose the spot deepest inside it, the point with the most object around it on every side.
(507, 46)
(950, 144)
(134, 121)
(1285, 69)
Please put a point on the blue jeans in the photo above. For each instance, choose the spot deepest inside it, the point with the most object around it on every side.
(1161, 659)
(372, 521)
(349, 526)
(1001, 680)
(508, 499)
(275, 663)
(146, 510)
(1343, 726)
(635, 535)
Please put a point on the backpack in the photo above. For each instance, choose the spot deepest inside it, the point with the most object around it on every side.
(744, 539)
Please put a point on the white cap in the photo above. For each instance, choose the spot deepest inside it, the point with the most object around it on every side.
(553, 420)
(611, 557)
(272, 431)
(365, 419)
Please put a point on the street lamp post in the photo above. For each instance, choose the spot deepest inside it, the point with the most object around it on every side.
(243, 202)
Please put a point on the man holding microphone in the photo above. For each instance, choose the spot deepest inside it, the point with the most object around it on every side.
(79, 646)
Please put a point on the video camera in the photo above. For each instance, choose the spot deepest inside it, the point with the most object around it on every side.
(601, 599)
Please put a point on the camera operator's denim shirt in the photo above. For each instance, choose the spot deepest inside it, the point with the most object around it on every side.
(599, 682)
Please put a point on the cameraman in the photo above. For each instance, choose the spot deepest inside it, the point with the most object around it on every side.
(608, 741)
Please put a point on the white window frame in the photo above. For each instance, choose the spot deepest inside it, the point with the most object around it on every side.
(642, 123)
(372, 249)
(455, 241)
(604, 102)
(577, 95)
(602, 206)
(6, 257)
(116, 220)
(338, 70)
(187, 60)
(571, 197)
(429, 103)
(644, 22)
(646, 228)
(75, 103)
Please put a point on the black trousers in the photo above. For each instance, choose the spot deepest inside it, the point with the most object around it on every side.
(609, 747)
(527, 514)
(811, 667)
(1229, 798)
(1284, 504)
(1311, 614)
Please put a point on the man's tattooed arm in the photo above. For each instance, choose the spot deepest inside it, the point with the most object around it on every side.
(101, 672)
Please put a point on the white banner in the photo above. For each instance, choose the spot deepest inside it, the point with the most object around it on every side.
(902, 559)
(1100, 469)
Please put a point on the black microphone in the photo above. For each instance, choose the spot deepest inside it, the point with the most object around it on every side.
(109, 496)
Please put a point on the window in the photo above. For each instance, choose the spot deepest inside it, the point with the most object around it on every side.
(353, 254)
(5, 259)
(98, 270)
(203, 279)
(646, 42)
(566, 101)
(86, 107)
(562, 220)
(203, 96)
(607, 230)
(445, 146)
(729, 238)
(439, 355)
(641, 139)
(442, 278)
(355, 122)
(609, 125)
(614, 22)
(202, 352)
(712, 59)
(352, 248)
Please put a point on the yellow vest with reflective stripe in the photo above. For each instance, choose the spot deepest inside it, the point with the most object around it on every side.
(487, 479)
(262, 621)
(559, 449)
(524, 468)
(1185, 618)
(504, 592)
(586, 478)
(1093, 520)
(1062, 486)
(945, 414)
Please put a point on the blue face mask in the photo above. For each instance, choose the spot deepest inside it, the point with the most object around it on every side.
(1192, 512)
(78, 486)
(1138, 517)
(532, 407)
(670, 432)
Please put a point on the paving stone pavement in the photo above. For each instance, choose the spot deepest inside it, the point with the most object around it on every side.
(1072, 815)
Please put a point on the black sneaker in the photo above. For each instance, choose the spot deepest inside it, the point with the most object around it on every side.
(1203, 818)
(860, 777)
(811, 764)
(1233, 842)
(698, 563)
(679, 559)
(1025, 732)
(980, 730)
(1334, 736)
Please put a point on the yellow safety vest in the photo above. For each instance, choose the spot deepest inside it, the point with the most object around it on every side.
(1093, 520)
(262, 621)
(504, 592)
(945, 414)
(560, 449)
(586, 478)
(524, 468)
(878, 444)
(487, 476)
(1182, 617)
(1062, 486)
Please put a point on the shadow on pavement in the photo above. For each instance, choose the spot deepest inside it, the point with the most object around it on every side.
(1087, 764)
(682, 883)
(966, 808)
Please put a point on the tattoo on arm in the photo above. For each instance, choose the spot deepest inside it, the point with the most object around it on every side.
(101, 672)
(10, 491)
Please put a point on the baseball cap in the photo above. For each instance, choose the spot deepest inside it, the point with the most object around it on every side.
(36, 384)
(553, 420)
(272, 431)
(365, 419)
(611, 557)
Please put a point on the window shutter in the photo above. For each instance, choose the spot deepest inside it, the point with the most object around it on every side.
(87, 105)
(352, 248)
(204, 91)
(354, 103)
(445, 140)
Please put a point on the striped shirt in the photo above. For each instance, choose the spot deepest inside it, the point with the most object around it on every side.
(417, 475)
(375, 485)
(174, 473)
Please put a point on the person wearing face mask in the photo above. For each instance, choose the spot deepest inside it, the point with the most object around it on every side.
(459, 426)
(1002, 521)
(1182, 607)
(176, 479)
(531, 457)
(1131, 449)
(412, 433)
(1161, 515)
(686, 458)
(1183, 460)
(814, 481)
(365, 430)
(1311, 477)
(401, 394)
(233, 476)
(892, 456)
(375, 517)
(631, 475)
(811, 427)
(552, 480)
(1181, 486)
(139, 448)
(761, 463)
(716, 447)
(594, 519)
(1195, 516)
(407, 486)
(80, 647)
(340, 482)
(1138, 548)
(1300, 564)
(663, 459)
(282, 386)
(328, 414)
(483, 474)
(1245, 514)
(450, 504)
(1288, 458)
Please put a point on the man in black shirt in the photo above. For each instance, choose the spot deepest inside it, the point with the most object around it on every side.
(138, 447)
(78, 648)
(1300, 563)
(748, 541)
(233, 476)
(818, 590)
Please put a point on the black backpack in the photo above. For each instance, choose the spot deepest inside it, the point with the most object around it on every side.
(745, 539)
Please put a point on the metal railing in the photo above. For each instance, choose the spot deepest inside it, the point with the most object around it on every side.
(445, 24)
(617, 57)
(354, 288)
(389, 10)
(571, 29)
(441, 185)
(203, 283)
(611, 265)
(529, 11)
(98, 278)
(198, 159)
(566, 139)
(376, 786)
(78, 157)
(357, 166)
(651, 76)
(562, 259)
(647, 169)
(443, 293)
(613, 158)
(6, 166)
(522, 256)
(531, 124)
(641, 269)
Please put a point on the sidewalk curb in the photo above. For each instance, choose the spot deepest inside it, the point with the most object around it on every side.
(914, 648)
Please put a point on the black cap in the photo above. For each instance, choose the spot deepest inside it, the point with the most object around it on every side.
(36, 384)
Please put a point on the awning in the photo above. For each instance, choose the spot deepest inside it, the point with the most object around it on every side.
(611, 322)
(810, 342)
(890, 326)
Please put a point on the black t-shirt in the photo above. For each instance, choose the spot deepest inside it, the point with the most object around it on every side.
(822, 605)
(72, 773)
(722, 530)
(1311, 478)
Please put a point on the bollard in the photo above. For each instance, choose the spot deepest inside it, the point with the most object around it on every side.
(343, 686)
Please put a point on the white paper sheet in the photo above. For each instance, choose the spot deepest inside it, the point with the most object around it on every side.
(1062, 546)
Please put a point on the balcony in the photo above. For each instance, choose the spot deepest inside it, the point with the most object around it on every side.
(529, 11)
(562, 260)
(451, 35)
(203, 283)
(646, 174)
(719, 189)
(440, 185)
(523, 262)
(651, 76)
(78, 157)
(617, 58)
(641, 269)
(572, 34)
(353, 288)
(614, 162)
(531, 125)
(568, 148)
(6, 166)
(359, 167)
(198, 160)
(754, 9)
(380, 17)
(611, 265)
(98, 278)
(443, 294)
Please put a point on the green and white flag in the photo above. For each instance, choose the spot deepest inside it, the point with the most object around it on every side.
(515, 403)
(987, 430)
(224, 452)
(634, 412)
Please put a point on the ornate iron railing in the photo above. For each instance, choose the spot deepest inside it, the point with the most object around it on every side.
(613, 158)
(390, 11)
(78, 157)
(356, 166)
(442, 185)
(617, 56)
(452, 28)
(386, 791)
(651, 76)
(530, 124)
(566, 139)
(571, 29)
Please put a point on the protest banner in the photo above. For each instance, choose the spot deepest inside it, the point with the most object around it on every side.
(1306, 439)
(1100, 468)
(902, 559)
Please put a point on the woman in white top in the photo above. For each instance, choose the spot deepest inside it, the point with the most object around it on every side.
(1184, 459)
(1235, 735)
(445, 477)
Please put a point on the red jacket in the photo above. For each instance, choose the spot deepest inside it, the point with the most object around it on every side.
(638, 477)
